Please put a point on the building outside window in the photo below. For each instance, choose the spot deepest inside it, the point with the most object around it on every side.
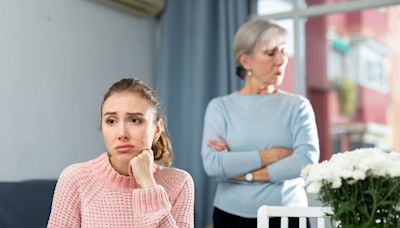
(345, 54)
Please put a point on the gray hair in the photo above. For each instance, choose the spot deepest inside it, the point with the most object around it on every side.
(249, 35)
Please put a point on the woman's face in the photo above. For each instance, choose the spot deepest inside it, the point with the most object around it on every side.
(268, 61)
(128, 127)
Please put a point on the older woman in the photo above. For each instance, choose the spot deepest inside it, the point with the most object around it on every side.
(257, 140)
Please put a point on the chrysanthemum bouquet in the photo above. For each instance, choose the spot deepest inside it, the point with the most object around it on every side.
(362, 187)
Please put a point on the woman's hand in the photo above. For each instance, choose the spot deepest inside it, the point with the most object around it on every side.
(219, 145)
(142, 167)
(274, 154)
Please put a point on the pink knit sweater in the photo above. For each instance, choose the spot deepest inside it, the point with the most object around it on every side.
(93, 194)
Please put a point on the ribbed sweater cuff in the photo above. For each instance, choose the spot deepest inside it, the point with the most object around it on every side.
(146, 200)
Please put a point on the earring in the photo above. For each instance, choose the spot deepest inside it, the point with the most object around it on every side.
(248, 72)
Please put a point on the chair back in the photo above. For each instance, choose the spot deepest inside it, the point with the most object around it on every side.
(265, 212)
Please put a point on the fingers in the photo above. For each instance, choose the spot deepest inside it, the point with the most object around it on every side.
(142, 168)
(145, 149)
(220, 147)
(144, 155)
(142, 163)
(222, 140)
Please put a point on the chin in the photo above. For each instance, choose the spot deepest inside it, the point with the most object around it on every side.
(123, 157)
(279, 82)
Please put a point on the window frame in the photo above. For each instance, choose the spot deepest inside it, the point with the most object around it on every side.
(301, 12)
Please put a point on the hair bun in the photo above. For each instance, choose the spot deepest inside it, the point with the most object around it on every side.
(240, 72)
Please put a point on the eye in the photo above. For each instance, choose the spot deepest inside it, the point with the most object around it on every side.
(110, 121)
(270, 52)
(283, 51)
(135, 120)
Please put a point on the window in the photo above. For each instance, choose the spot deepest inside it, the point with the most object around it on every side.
(274, 6)
(352, 39)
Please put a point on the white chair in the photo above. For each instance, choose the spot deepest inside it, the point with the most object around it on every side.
(265, 212)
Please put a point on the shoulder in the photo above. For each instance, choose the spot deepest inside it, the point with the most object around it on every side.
(75, 173)
(296, 101)
(219, 103)
(176, 174)
(174, 178)
(293, 98)
(68, 183)
(74, 170)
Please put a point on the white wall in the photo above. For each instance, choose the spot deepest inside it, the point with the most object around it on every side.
(57, 59)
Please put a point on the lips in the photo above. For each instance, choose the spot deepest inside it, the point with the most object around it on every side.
(124, 148)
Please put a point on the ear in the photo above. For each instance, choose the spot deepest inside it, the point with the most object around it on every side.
(244, 60)
(159, 129)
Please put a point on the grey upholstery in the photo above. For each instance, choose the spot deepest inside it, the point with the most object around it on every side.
(26, 203)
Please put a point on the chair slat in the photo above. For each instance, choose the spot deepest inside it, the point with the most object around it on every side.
(321, 222)
(303, 222)
(265, 212)
(284, 222)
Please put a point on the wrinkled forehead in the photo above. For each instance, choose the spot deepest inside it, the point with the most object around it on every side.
(272, 38)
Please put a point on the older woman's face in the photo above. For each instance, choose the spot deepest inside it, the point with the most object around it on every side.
(268, 60)
(128, 126)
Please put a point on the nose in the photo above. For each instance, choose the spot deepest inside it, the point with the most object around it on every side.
(122, 133)
(281, 58)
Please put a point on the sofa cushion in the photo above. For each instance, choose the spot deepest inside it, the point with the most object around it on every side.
(26, 203)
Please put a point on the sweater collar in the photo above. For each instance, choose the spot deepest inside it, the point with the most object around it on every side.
(103, 170)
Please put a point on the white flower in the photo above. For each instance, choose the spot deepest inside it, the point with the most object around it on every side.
(314, 187)
(336, 183)
(351, 167)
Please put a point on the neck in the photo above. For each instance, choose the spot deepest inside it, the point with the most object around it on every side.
(257, 91)
(271, 89)
(121, 169)
(257, 88)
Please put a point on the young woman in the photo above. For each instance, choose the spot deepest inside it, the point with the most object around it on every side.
(257, 140)
(130, 185)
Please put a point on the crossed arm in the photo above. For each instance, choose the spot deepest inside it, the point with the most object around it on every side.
(267, 156)
(274, 164)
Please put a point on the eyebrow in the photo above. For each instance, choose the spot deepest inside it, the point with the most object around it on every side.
(128, 113)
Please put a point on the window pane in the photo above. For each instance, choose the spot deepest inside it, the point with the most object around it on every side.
(326, 2)
(353, 76)
(273, 6)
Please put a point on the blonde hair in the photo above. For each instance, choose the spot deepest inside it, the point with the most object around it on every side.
(162, 148)
(249, 35)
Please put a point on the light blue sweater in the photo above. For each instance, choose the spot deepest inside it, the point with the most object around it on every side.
(252, 123)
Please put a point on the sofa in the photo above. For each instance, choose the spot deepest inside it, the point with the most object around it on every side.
(26, 203)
